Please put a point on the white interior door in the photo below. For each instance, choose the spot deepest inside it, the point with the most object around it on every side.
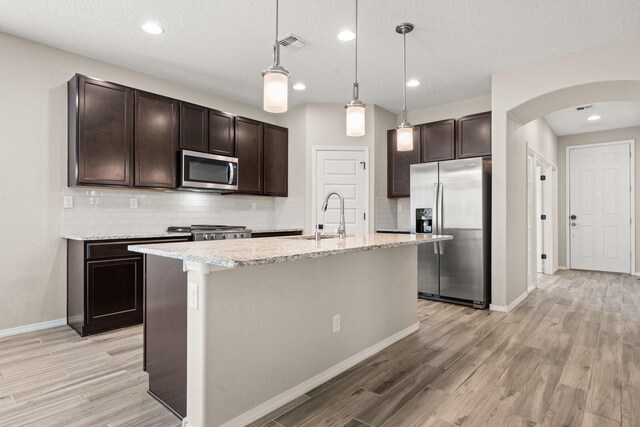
(540, 224)
(531, 224)
(342, 171)
(600, 207)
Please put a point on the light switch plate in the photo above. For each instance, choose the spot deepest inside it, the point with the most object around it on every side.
(336, 323)
(68, 202)
(399, 207)
(254, 206)
(193, 296)
(133, 203)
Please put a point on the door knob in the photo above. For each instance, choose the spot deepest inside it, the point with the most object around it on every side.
(573, 217)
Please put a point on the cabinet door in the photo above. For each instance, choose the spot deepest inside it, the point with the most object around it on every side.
(114, 293)
(398, 163)
(276, 160)
(101, 152)
(437, 141)
(249, 151)
(221, 133)
(194, 127)
(155, 140)
(473, 137)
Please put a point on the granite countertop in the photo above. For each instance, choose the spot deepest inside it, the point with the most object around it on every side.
(123, 236)
(239, 253)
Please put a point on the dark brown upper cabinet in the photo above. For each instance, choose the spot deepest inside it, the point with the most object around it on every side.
(194, 127)
(276, 164)
(473, 137)
(100, 132)
(437, 141)
(221, 133)
(249, 151)
(398, 163)
(156, 140)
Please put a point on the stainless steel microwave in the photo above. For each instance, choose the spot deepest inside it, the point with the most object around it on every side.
(208, 171)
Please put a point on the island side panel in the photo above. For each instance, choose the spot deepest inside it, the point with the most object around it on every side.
(166, 331)
(268, 329)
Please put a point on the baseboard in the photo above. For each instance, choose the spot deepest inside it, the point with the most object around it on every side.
(297, 391)
(33, 327)
(562, 267)
(508, 308)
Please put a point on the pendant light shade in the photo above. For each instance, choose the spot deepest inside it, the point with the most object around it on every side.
(404, 141)
(276, 90)
(355, 119)
(404, 131)
(276, 81)
(355, 109)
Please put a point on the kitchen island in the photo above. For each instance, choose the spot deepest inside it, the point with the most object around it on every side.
(270, 319)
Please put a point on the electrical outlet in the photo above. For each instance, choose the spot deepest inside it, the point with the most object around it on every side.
(336, 323)
(193, 296)
(133, 203)
(254, 207)
(68, 202)
(399, 207)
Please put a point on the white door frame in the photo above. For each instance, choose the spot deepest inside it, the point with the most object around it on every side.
(314, 177)
(632, 179)
(549, 197)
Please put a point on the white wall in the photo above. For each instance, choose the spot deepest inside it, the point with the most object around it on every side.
(581, 139)
(542, 139)
(324, 125)
(519, 95)
(33, 169)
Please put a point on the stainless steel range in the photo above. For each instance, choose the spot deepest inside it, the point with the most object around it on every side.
(213, 232)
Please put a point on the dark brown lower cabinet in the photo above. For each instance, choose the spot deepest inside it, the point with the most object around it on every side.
(114, 288)
(105, 284)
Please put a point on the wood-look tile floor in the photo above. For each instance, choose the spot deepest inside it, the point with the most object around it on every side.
(568, 355)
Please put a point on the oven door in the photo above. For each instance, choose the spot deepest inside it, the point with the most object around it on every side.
(208, 171)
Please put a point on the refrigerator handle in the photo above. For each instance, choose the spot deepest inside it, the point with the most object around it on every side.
(440, 218)
(434, 216)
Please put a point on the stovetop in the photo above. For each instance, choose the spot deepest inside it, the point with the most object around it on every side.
(204, 228)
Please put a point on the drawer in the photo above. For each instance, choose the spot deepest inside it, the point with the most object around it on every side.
(119, 248)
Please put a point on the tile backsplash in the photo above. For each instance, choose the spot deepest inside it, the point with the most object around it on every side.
(111, 211)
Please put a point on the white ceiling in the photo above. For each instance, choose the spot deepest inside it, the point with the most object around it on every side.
(222, 46)
(613, 115)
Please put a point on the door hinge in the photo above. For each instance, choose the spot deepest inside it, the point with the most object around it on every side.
(543, 217)
(543, 177)
(364, 165)
(364, 215)
(543, 256)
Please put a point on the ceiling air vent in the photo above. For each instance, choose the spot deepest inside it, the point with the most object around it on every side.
(293, 41)
(584, 107)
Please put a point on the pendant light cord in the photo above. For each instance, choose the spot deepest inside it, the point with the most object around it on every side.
(356, 87)
(404, 75)
(276, 45)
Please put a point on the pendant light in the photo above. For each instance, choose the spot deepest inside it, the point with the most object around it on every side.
(404, 131)
(276, 81)
(355, 108)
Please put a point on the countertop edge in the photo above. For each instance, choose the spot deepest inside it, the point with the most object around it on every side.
(231, 264)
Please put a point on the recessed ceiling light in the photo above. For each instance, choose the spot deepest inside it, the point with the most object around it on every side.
(593, 118)
(152, 28)
(299, 86)
(346, 35)
(413, 83)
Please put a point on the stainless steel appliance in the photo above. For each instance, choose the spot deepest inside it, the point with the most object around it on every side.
(454, 197)
(208, 171)
(213, 232)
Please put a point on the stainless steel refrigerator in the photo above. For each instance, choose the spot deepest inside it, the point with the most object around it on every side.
(454, 197)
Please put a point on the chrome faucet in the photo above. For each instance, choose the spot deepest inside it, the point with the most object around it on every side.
(342, 232)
